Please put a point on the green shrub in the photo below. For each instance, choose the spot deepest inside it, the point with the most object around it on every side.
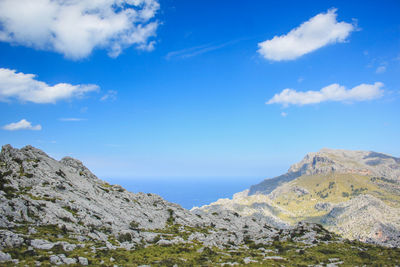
(134, 225)
(60, 173)
(124, 237)
(171, 218)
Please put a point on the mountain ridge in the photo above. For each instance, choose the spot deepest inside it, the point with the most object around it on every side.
(323, 182)
(329, 160)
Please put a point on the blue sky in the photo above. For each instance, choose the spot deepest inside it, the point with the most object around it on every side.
(180, 89)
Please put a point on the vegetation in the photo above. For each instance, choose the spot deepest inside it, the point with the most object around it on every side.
(277, 253)
(134, 225)
(8, 190)
(73, 211)
(287, 252)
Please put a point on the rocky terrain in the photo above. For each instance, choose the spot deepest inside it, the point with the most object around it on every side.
(58, 213)
(355, 194)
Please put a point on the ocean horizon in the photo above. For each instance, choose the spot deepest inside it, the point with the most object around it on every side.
(187, 192)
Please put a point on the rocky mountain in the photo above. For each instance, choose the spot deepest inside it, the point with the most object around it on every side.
(58, 213)
(355, 194)
(328, 161)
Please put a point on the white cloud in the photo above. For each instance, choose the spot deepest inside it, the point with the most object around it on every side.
(110, 95)
(72, 119)
(26, 88)
(381, 69)
(22, 125)
(284, 114)
(75, 27)
(321, 30)
(198, 50)
(333, 92)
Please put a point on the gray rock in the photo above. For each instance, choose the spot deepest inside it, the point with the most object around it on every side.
(55, 259)
(4, 256)
(274, 258)
(69, 261)
(42, 244)
(61, 259)
(248, 260)
(83, 261)
(67, 246)
(164, 242)
(10, 239)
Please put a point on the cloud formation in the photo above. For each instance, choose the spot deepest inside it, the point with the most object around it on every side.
(110, 95)
(75, 27)
(197, 50)
(26, 88)
(319, 31)
(72, 119)
(22, 125)
(333, 92)
(381, 69)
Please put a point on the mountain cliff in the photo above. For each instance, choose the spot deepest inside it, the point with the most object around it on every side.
(353, 193)
(58, 213)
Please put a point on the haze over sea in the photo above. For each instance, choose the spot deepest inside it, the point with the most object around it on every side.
(187, 192)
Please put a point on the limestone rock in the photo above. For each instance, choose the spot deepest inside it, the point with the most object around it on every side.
(83, 261)
(42, 244)
(4, 256)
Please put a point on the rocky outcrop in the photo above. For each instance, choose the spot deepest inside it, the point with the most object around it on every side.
(40, 190)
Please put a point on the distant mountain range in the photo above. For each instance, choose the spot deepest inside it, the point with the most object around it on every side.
(58, 213)
(355, 194)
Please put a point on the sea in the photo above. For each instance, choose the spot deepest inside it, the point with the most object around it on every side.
(187, 192)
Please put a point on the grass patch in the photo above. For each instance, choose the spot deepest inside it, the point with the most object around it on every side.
(73, 211)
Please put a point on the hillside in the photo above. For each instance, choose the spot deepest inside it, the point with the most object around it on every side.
(58, 213)
(353, 193)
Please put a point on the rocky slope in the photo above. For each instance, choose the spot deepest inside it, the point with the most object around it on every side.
(58, 213)
(353, 193)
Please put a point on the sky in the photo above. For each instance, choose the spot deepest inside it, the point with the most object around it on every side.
(164, 88)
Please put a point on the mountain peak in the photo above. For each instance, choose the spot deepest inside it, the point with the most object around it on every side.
(347, 161)
(340, 161)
